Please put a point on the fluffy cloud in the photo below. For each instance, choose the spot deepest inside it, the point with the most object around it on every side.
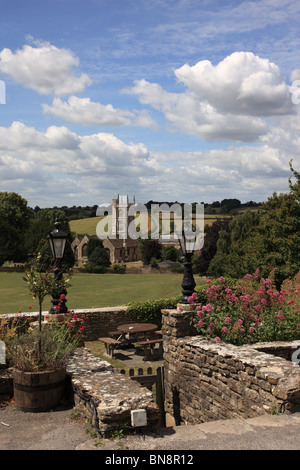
(75, 165)
(228, 101)
(242, 83)
(71, 169)
(87, 112)
(45, 69)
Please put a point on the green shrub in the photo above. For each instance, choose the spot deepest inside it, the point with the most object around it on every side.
(118, 268)
(149, 311)
(154, 262)
(177, 269)
(94, 269)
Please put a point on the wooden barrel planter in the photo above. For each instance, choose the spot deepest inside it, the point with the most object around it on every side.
(38, 391)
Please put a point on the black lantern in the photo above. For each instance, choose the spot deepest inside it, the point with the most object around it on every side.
(187, 243)
(57, 241)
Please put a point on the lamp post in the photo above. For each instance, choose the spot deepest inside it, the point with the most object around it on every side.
(57, 241)
(187, 243)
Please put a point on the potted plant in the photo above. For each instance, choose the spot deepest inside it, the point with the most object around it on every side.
(39, 358)
(39, 355)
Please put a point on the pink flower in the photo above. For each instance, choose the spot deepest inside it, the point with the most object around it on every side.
(227, 319)
(248, 276)
(251, 329)
(225, 329)
(200, 323)
(217, 339)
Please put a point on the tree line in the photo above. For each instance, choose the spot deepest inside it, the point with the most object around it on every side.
(266, 238)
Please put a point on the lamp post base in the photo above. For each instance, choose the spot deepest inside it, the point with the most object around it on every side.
(188, 284)
(59, 302)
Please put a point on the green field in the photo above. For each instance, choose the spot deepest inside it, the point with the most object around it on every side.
(85, 226)
(88, 226)
(92, 290)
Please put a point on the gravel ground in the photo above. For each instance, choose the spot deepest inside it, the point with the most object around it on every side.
(57, 430)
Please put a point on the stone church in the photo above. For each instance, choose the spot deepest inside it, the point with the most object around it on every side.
(121, 248)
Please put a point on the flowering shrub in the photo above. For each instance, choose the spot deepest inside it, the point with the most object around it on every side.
(251, 311)
(70, 319)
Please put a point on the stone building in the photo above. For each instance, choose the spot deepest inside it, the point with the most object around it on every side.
(121, 248)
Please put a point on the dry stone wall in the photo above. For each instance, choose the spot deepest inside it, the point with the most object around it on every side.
(98, 322)
(106, 396)
(207, 381)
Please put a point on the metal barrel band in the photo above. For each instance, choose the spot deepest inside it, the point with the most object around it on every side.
(38, 388)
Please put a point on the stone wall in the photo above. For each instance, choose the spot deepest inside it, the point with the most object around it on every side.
(98, 321)
(207, 381)
(106, 396)
(100, 393)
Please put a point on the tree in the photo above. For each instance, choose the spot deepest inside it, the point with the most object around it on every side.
(169, 252)
(91, 245)
(233, 255)
(99, 257)
(265, 240)
(14, 221)
(150, 249)
(209, 248)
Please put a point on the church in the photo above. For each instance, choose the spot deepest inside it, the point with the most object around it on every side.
(121, 248)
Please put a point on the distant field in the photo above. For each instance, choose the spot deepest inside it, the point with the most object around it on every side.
(88, 226)
(92, 290)
(85, 226)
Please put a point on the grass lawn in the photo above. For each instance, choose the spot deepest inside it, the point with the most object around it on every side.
(92, 290)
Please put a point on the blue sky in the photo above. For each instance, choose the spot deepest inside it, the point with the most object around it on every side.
(187, 100)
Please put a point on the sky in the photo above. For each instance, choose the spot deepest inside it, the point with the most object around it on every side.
(163, 100)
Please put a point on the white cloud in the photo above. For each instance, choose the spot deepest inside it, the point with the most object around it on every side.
(189, 115)
(87, 112)
(242, 83)
(228, 101)
(295, 75)
(72, 169)
(45, 69)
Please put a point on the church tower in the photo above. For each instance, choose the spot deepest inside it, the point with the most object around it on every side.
(120, 217)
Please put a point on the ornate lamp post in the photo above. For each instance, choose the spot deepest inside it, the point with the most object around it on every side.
(57, 241)
(187, 243)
